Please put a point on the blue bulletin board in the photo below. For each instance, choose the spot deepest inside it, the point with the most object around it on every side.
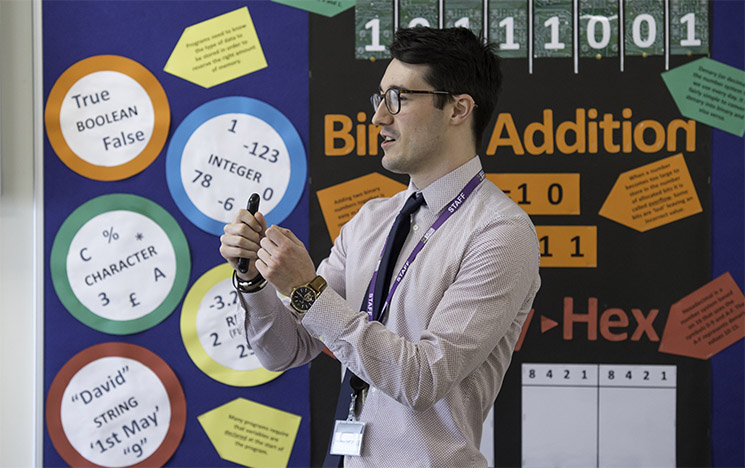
(728, 254)
(94, 205)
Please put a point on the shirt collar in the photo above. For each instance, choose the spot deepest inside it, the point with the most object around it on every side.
(441, 192)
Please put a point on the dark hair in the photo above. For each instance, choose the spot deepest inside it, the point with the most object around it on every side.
(459, 62)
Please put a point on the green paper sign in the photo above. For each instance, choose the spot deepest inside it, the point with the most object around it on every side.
(710, 92)
(328, 8)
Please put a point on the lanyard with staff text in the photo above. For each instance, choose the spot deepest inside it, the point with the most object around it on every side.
(452, 208)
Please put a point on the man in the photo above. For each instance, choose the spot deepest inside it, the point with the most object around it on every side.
(431, 357)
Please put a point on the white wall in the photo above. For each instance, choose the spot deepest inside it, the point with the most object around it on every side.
(17, 238)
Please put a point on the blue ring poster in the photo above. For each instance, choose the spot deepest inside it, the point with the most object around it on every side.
(231, 109)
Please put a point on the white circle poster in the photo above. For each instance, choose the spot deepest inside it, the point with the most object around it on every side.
(107, 117)
(212, 331)
(120, 102)
(228, 149)
(116, 405)
(120, 263)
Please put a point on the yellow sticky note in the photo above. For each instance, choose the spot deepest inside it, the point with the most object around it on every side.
(251, 434)
(217, 50)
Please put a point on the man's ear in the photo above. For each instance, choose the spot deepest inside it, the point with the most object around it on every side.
(463, 106)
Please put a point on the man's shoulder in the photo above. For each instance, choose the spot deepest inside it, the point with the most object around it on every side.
(492, 202)
(381, 204)
(499, 221)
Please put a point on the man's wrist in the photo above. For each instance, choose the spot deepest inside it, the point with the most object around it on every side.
(251, 286)
(302, 297)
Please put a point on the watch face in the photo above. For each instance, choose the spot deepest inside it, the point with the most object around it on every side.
(303, 297)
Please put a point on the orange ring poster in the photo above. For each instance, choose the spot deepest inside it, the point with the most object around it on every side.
(116, 404)
(107, 117)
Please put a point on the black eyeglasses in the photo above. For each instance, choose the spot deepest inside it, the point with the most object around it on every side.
(392, 98)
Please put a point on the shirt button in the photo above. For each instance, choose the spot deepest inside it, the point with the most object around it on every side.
(322, 338)
(416, 227)
(372, 389)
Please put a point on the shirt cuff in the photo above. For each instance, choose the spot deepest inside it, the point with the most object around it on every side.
(260, 304)
(329, 316)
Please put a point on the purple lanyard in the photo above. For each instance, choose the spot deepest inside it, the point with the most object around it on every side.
(455, 204)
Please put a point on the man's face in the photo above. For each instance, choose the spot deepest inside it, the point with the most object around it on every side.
(412, 139)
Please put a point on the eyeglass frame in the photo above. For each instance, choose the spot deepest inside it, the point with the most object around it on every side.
(382, 97)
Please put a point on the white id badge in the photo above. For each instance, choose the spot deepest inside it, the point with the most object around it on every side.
(347, 438)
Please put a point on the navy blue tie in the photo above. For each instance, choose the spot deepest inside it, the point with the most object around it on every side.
(396, 239)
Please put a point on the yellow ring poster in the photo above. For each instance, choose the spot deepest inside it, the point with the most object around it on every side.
(212, 331)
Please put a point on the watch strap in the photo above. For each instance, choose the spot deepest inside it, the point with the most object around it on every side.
(317, 284)
(251, 286)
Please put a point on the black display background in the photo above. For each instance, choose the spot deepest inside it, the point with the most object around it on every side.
(650, 270)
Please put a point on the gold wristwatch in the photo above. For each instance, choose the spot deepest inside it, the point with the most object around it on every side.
(302, 297)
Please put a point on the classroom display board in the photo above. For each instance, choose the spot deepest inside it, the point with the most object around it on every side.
(161, 118)
(592, 139)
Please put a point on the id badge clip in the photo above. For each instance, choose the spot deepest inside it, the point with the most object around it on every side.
(347, 437)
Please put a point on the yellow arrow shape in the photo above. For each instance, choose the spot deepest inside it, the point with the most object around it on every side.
(251, 434)
(217, 50)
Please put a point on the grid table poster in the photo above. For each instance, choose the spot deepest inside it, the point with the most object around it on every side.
(588, 140)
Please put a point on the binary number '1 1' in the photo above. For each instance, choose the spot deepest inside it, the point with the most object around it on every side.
(546, 252)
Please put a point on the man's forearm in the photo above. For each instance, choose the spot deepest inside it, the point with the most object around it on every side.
(275, 333)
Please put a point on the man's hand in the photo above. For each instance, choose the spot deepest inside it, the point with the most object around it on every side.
(284, 261)
(241, 240)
